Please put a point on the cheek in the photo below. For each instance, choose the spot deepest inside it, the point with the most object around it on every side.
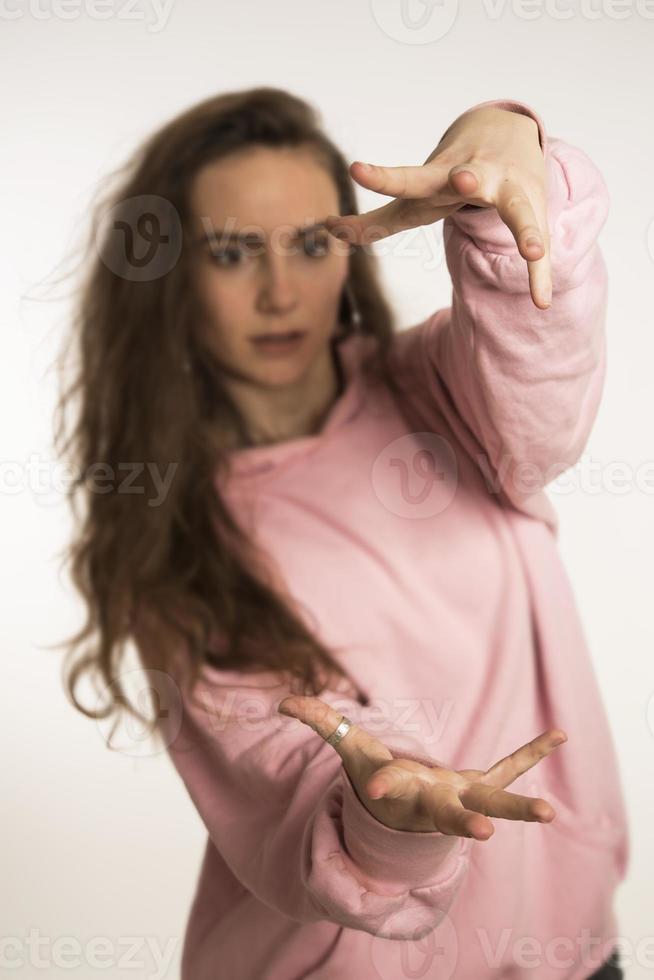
(218, 316)
(225, 303)
(323, 288)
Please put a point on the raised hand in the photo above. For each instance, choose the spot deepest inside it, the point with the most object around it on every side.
(406, 795)
(489, 157)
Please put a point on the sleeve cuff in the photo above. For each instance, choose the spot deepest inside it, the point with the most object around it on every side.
(397, 859)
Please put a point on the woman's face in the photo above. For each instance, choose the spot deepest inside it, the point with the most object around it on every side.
(277, 280)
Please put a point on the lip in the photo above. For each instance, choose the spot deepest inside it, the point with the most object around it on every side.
(278, 333)
(266, 344)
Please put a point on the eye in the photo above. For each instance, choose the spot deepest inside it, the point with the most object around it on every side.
(321, 246)
(225, 257)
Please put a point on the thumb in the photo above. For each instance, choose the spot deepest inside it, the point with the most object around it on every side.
(390, 782)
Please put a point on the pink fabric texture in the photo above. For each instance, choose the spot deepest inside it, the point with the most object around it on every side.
(419, 541)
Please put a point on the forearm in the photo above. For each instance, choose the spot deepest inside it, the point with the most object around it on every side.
(526, 381)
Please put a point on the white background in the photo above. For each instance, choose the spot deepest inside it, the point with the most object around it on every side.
(100, 843)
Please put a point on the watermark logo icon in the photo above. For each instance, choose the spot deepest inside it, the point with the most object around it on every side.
(157, 697)
(140, 238)
(650, 239)
(415, 475)
(415, 21)
(397, 951)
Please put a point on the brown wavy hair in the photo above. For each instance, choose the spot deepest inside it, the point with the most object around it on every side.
(181, 575)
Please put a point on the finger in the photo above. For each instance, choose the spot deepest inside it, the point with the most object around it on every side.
(496, 802)
(419, 181)
(400, 215)
(450, 816)
(516, 211)
(317, 714)
(363, 229)
(464, 181)
(512, 204)
(527, 225)
(324, 720)
(540, 276)
(472, 775)
(504, 772)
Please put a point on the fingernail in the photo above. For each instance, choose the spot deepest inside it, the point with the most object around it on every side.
(532, 240)
(365, 166)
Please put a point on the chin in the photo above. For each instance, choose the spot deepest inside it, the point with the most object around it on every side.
(284, 369)
(278, 375)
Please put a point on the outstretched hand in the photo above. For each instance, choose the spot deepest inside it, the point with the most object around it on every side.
(406, 795)
(489, 157)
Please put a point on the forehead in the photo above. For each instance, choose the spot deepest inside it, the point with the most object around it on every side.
(264, 187)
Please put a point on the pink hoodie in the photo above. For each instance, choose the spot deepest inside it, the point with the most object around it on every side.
(442, 589)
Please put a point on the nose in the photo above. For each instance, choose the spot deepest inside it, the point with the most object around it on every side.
(277, 293)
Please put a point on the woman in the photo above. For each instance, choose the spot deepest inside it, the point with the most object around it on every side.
(356, 534)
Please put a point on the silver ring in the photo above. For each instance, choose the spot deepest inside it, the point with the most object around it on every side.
(340, 731)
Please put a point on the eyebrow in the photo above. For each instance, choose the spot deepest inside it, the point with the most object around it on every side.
(224, 237)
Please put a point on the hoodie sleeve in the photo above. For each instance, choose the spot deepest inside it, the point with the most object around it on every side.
(519, 386)
(282, 812)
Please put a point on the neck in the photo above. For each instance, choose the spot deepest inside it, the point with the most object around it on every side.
(277, 415)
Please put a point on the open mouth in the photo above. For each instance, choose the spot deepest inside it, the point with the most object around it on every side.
(280, 343)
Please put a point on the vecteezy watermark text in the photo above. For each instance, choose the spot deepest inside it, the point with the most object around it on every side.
(147, 954)
(48, 480)
(155, 12)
